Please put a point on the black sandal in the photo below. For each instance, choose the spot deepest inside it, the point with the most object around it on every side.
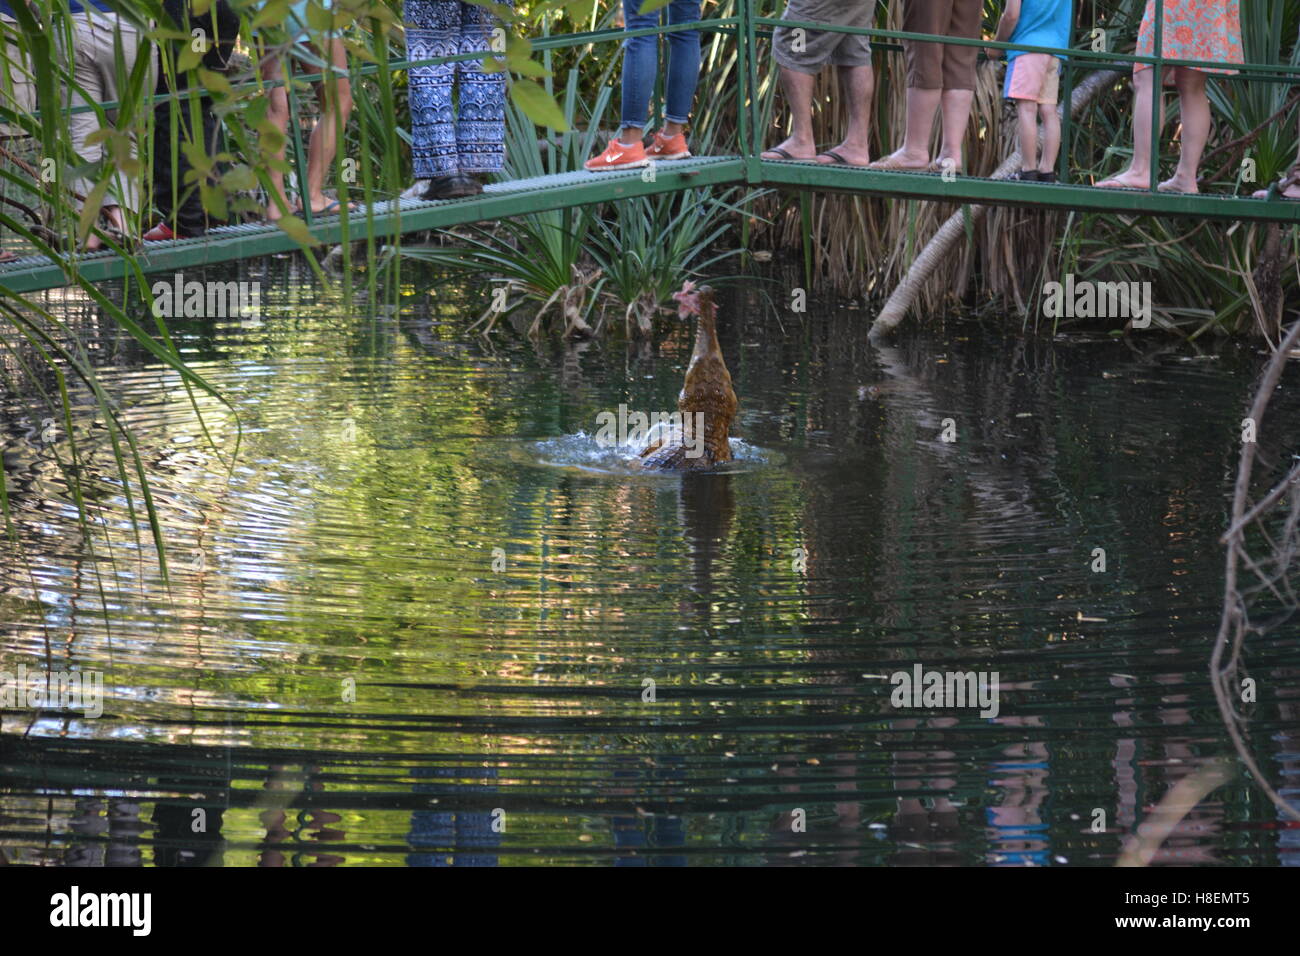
(455, 186)
(785, 156)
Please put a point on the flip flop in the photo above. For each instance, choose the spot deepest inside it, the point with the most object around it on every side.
(889, 163)
(1101, 184)
(837, 159)
(785, 156)
(1166, 188)
(334, 207)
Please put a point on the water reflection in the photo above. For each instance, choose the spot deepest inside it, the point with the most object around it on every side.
(394, 635)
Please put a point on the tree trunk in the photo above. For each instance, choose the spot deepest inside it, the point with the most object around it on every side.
(937, 250)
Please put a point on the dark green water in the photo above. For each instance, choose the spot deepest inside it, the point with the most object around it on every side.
(500, 713)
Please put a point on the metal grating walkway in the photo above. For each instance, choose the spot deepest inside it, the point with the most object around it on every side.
(503, 200)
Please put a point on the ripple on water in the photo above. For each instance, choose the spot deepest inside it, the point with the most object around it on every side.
(395, 609)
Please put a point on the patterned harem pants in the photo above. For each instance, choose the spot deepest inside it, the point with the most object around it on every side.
(457, 110)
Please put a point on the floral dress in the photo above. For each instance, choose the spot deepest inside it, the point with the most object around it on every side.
(1208, 30)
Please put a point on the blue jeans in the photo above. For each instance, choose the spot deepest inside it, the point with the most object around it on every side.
(641, 63)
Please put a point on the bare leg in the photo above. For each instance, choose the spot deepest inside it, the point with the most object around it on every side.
(277, 112)
(1051, 120)
(1195, 107)
(1027, 127)
(915, 151)
(859, 84)
(1138, 174)
(335, 97)
(116, 220)
(956, 117)
(798, 89)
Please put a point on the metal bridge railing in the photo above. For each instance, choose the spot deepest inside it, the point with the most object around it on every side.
(746, 27)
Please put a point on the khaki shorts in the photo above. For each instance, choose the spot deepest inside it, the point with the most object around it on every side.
(17, 87)
(939, 66)
(808, 51)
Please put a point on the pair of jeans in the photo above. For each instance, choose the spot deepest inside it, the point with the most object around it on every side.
(641, 63)
(458, 112)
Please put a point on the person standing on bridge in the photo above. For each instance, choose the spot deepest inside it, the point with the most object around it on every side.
(802, 53)
(1033, 79)
(940, 78)
(97, 34)
(1204, 30)
(640, 70)
(180, 201)
(458, 111)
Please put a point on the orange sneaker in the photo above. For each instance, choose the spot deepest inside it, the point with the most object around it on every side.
(618, 155)
(668, 147)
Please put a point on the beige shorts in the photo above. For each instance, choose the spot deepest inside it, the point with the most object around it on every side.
(808, 51)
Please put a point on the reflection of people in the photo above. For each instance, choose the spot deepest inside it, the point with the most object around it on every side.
(803, 56)
(183, 836)
(940, 78)
(1205, 30)
(312, 828)
(441, 837)
(458, 111)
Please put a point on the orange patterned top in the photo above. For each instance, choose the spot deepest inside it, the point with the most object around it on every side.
(1208, 30)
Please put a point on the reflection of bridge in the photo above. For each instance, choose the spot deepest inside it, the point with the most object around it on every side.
(568, 189)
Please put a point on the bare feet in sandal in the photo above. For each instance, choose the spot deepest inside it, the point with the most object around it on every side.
(792, 150)
(1288, 187)
(1126, 180)
(844, 155)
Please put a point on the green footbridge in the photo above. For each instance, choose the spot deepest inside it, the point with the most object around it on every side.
(392, 218)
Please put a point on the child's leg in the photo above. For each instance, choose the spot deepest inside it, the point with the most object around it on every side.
(334, 94)
(1051, 120)
(277, 112)
(1195, 107)
(1027, 124)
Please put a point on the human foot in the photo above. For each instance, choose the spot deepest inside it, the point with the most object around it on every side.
(1288, 187)
(1126, 180)
(902, 159)
(1177, 184)
(791, 150)
(844, 155)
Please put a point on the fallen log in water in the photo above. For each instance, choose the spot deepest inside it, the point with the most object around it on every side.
(937, 249)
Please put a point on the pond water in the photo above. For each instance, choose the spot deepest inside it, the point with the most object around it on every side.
(422, 621)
